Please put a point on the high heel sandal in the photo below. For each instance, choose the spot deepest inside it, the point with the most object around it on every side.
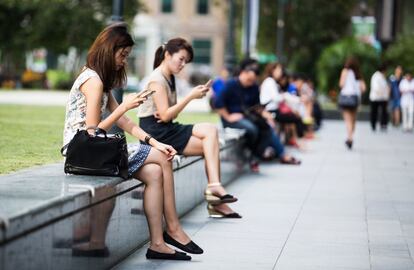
(217, 199)
(214, 213)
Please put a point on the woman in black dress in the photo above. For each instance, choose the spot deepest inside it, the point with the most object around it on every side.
(157, 115)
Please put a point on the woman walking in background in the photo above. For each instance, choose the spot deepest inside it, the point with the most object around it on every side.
(157, 114)
(407, 101)
(395, 80)
(352, 86)
(89, 98)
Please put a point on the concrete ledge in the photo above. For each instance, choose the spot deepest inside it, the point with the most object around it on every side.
(44, 213)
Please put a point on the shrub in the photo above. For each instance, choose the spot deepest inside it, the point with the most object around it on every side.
(402, 52)
(58, 79)
(332, 60)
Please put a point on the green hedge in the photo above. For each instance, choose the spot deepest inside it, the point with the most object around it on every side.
(402, 52)
(58, 79)
(332, 60)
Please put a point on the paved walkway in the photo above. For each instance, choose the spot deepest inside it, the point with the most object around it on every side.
(340, 210)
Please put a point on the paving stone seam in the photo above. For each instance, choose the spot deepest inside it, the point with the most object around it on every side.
(315, 179)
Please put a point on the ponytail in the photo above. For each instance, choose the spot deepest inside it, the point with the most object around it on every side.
(172, 46)
(159, 56)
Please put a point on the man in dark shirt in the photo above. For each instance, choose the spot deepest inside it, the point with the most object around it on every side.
(240, 93)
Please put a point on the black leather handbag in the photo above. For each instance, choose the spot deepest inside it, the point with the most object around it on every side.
(99, 154)
(254, 116)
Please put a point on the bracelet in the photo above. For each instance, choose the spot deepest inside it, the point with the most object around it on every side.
(147, 139)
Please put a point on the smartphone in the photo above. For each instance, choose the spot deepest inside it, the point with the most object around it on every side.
(146, 93)
(208, 83)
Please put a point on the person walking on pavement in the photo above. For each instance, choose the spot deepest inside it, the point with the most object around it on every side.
(379, 95)
(395, 80)
(352, 85)
(407, 101)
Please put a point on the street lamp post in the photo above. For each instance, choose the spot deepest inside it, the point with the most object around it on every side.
(247, 15)
(280, 30)
(117, 11)
(230, 56)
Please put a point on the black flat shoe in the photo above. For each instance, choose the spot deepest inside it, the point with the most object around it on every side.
(177, 256)
(101, 253)
(191, 247)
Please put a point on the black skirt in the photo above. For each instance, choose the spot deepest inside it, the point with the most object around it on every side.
(174, 134)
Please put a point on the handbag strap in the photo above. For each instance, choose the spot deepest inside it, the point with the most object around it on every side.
(97, 132)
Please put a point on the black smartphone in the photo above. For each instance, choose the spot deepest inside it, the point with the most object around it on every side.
(146, 93)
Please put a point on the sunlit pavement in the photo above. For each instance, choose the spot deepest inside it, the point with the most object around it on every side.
(339, 210)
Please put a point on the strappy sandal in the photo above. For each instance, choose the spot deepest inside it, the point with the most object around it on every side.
(214, 213)
(217, 199)
(291, 161)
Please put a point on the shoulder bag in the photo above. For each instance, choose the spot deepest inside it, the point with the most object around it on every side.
(99, 154)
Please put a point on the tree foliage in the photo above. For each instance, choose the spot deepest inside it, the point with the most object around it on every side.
(333, 59)
(53, 24)
(310, 26)
(402, 52)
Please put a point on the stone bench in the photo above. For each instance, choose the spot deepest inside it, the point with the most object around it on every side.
(46, 217)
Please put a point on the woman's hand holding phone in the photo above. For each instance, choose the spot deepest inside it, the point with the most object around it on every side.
(201, 90)
(132, 101)
(146, 93)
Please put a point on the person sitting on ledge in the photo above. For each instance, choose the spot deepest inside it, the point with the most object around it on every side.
(240, 95)
(157, 114)
(89, 98)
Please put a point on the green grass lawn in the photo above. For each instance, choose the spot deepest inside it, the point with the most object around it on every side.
(32, 135)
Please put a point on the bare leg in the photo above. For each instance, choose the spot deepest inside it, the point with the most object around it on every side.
(353, 115)
(174, 228)
(349, 123)
(151, 175)
(205, 142)
(99, 220)
(397, 117)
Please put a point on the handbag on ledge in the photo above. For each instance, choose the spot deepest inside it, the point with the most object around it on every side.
(99, 154)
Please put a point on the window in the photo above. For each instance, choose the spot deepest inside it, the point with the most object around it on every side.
(166, 6)
(202, 51)
(202, 6)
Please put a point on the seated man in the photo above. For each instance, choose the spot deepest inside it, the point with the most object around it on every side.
(238, 96)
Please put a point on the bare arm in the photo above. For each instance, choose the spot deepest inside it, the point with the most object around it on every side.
(164, 111)
(229, 117)
(93, 91)
(343, 78)
(126, 124)
(362, 85)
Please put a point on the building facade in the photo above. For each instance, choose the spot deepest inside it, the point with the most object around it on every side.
(202, 22)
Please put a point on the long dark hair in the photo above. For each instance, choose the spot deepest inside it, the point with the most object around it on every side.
(353, 64)
(269, 69)
(172, 46)
(101, 55)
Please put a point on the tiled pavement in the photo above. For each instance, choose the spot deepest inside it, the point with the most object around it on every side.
(339, 210)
